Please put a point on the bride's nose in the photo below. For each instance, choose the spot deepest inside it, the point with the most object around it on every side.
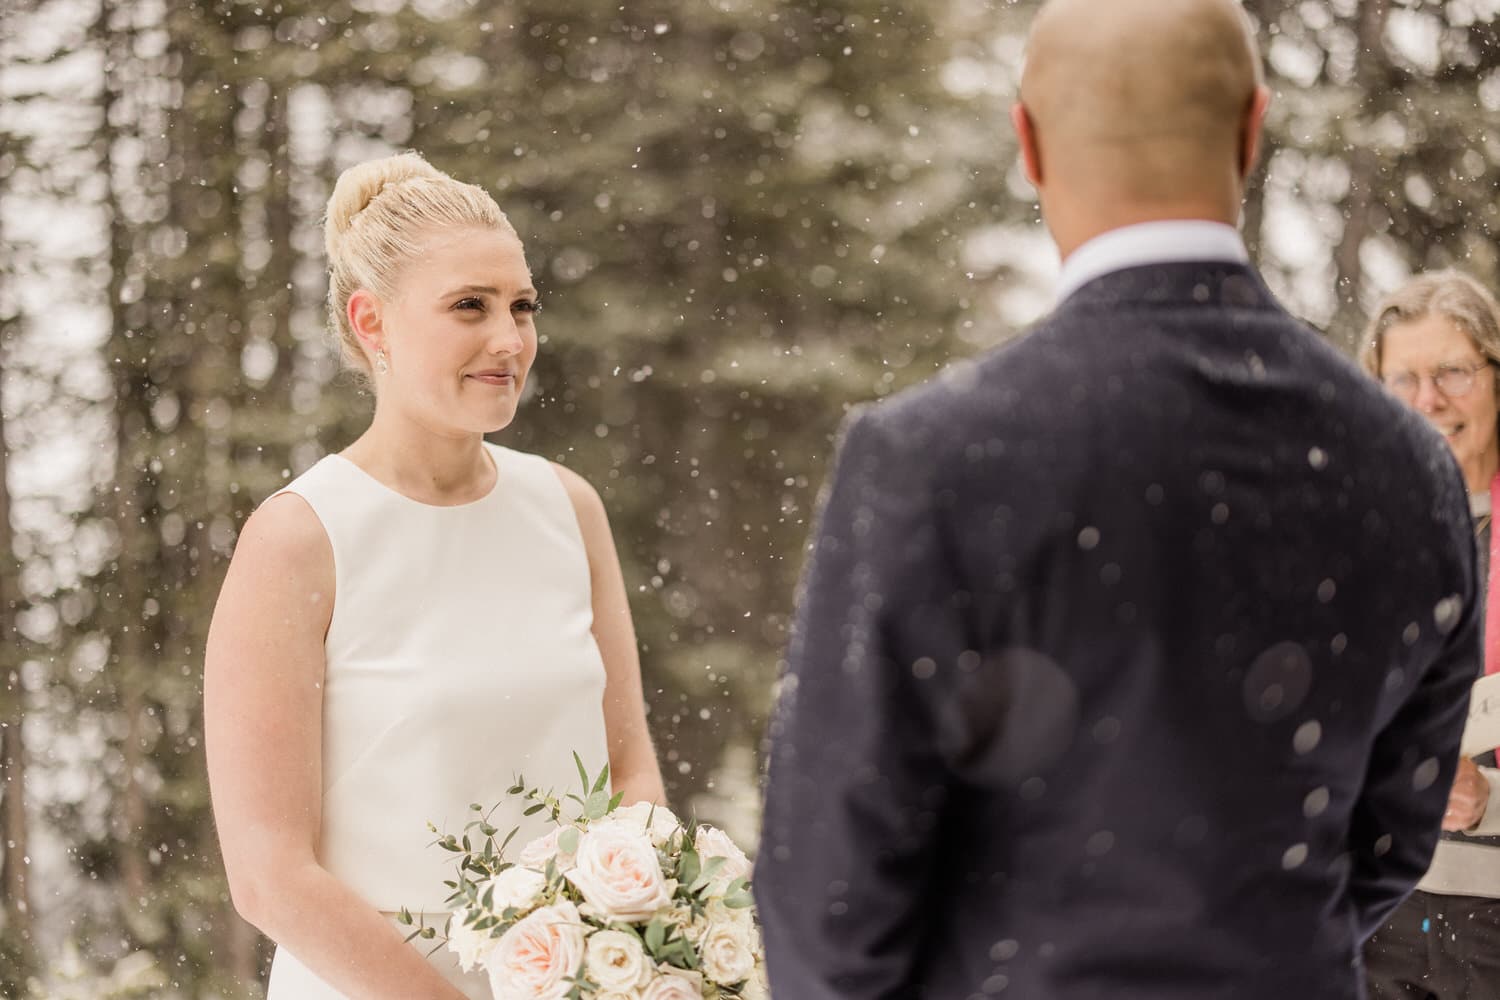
(505, 337)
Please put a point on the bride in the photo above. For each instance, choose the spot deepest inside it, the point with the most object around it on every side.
(415, 621)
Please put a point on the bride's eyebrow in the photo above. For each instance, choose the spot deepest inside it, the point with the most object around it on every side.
(525, 293)
(472, 290)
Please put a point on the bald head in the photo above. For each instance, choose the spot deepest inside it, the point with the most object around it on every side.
(1139, 69)
(1142, 100)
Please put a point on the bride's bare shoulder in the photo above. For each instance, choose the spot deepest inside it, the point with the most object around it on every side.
(583, 495)
(285, 526)
(282, 556)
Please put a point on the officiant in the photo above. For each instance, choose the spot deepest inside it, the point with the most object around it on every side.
(1435, 343)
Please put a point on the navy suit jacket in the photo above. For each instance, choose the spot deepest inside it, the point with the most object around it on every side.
(1131, 663)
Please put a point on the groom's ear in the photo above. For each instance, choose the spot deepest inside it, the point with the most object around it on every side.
(1031, 153)
(1252, 130)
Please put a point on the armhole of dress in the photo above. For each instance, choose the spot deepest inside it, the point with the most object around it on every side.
(333, 549)
(554, 474)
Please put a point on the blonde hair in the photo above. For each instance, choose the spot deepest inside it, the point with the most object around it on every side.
(1450, 294)
(378, 215)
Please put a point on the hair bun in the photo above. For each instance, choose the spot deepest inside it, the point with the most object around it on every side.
(361, 184)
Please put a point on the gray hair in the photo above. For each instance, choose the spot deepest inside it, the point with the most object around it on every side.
(1453, 295)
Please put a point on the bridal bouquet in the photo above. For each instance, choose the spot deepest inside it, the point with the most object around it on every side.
(614, 904)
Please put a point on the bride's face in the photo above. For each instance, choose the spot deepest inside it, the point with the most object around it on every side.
(461, 332)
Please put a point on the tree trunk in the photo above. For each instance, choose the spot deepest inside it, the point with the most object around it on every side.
(1253, 213)
(18, 948)
(1364, 174)
(130, 644)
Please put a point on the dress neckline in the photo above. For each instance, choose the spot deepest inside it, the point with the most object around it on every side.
(489, 450)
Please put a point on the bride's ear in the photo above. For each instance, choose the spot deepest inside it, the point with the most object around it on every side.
(1031, 152)
(364, 313)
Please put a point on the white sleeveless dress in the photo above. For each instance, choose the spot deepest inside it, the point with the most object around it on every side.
(460, 654)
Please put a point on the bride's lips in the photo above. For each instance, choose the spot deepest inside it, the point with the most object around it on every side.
(493, 377)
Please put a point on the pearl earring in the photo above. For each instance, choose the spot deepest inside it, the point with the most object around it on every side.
(382, 366)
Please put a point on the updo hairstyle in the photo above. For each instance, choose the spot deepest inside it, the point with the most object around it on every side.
(378, 216)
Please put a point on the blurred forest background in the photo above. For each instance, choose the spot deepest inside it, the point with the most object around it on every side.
(744, 215)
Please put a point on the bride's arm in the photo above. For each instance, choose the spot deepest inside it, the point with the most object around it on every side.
(632, 759)
(263, 706)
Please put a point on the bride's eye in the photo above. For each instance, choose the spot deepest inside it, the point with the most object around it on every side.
(470, 305)
(527, 306)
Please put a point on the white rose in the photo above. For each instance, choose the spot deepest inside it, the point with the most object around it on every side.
(728, 950)
(618, 872)
(515, 888)
(674, 984)
(472, 947)
(712, 842)
(716, 913)
(537, 957)
(659, 821)
(616, 961)
(693, 925)
(617, 995)
(543, 849)
(756, 987)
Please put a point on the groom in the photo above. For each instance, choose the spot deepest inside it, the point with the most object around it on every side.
(1132, 658)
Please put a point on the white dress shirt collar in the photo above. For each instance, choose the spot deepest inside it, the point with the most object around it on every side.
(1175, 241)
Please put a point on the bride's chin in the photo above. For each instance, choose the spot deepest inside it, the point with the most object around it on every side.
(493, 425)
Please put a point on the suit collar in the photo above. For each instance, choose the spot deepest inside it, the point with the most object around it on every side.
(1171, 241)
(1213, 284)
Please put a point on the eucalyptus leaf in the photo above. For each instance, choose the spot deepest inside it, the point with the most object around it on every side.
(583, 774)
(655, 936)
(705, 878)
(689, 865)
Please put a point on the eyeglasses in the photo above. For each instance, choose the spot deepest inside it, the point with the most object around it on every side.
(1452, 381)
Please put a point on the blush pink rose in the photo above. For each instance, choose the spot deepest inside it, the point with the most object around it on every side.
(537, 957)
(619, 874)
